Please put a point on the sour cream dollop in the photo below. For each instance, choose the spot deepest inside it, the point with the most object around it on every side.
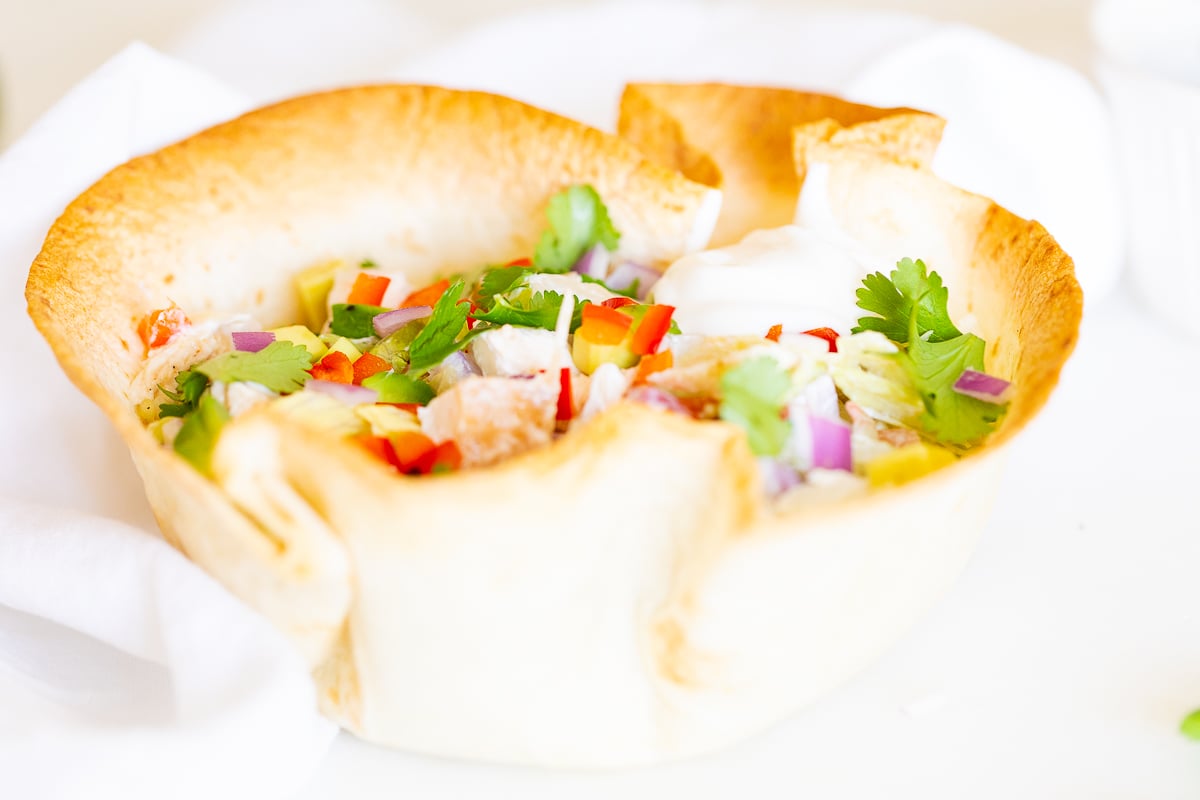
(798, 277)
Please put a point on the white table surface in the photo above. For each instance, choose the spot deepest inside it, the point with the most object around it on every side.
(1058, 667)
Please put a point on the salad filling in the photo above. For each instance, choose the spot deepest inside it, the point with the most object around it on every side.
(471, 370)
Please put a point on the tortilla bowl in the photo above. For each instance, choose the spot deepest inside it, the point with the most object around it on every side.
(621, 597)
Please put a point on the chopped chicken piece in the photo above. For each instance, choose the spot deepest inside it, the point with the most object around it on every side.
(508, 351)
(492, 418)
(608, 385)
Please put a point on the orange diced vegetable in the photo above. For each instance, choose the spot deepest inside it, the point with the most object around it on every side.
(335, 366)
(655, 362)
(603, 325)
(651, 330)
(157, 327)
(368, 289)
(427, 296)
(369, 364)
(775, 332)
(828, 334)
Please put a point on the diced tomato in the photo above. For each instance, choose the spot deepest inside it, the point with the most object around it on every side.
(427, 296)
(335, 366)
(828, 334)
(368, 290)
(618, 302)
(774, 332)
(369, 364)
(603, 325)
(655, 362)
(520, 262)
(651, 330)
(566, 408)
(471, 312)
(157, 327)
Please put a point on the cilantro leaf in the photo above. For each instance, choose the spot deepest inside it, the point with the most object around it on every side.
(354, 320)
(753, 395)
(894, 299)
(198, 436)
(578, 220)
(528, 310)
(280, 366)
(442, 335)
(395, 387)
(367, 263)
(934, 367)
(189, 385)
(498, 280)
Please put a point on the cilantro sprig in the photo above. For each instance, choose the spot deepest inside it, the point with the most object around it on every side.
(578, 219)
(189, 386)
(910, 308)
(280, 366)
(528, 310)
(894, 299)
(444, 333)
(753, 395)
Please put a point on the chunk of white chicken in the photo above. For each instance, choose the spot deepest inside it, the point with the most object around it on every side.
(241, 396)
(568, 282)
(607, 386)
(492, 418)
(188, 347)
(507, 351)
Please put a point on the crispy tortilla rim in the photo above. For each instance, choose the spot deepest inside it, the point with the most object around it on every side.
(619, 597)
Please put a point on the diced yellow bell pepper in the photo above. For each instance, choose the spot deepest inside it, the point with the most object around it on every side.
(314, 284)
(345, 347)
(907, 463)
(298, 334)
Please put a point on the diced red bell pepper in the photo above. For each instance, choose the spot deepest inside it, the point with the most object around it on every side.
(368, 290)
(774, 332)
(427, 296)
(618, 302)
(410, 447)
(651, 330)
(379, 447)
(369, 364)
(157, 327)
(566, 408)
(445, 457)
(655, 362)
(603, 325)
(828, 334)
(520, 262)
(335, 366)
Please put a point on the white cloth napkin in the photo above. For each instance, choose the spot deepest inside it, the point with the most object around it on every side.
(124, 669)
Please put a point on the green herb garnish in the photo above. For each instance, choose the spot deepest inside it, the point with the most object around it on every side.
(443, 334)
(198, 436)
(189, 385)
(753, 395)
(578, 220)
(280, 366)
(894, 299)
(529, 310)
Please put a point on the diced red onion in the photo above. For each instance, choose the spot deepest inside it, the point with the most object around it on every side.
(830, 443)
(456, 367)
(657, 398)
(347, 393)
(982, 386)
(777, 476)
(251, 341)
(593, 262)
(389, 322)
(625, 273)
